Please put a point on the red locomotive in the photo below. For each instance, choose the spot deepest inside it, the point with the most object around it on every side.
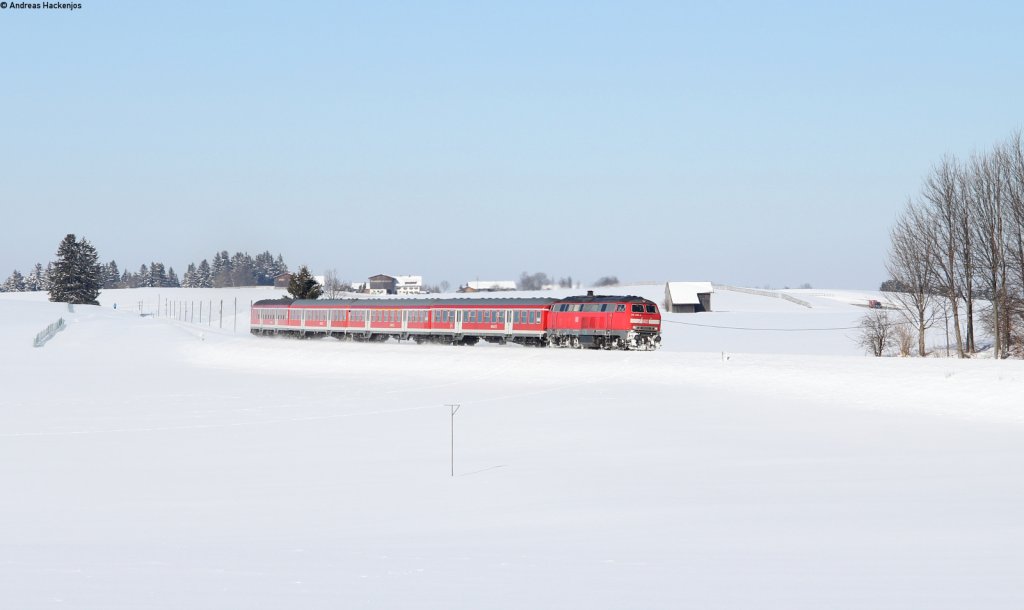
(599, 322)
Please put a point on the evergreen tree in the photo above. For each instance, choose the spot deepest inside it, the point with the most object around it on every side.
(143, 279)
(263, 265)
(47, 283)
(157, 275)
(76, 273)
(204, 276)
(279, 267)
(221, 271)
(34, 282)
(188, 280)
(242, 271)
(303, 286)
(172, 279)
(15, 283)
(112, 277)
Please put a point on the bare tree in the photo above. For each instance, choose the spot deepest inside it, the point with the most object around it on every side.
(966, 263)
(986, 197)
(941, 190)
(912, 264)
(333, 287)
(877, 332)
(1012, 157)
(904, 339)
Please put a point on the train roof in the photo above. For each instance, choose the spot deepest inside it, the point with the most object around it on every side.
(450, 302)
(605, 298)
(409, 302)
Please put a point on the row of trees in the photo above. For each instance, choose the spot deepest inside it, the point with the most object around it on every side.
(540, 281)
(237, 270)
(957, 250)
(37, 279)
(76, 273)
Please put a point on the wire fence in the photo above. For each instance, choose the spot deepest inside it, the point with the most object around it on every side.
(764, 293)
(49, 333)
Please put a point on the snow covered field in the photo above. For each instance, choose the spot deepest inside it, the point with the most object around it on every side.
(150, 463)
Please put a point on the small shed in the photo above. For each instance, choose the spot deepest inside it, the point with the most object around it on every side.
(688, 297)
(282, 280)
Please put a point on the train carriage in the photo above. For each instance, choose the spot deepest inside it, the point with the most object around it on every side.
(607, 322)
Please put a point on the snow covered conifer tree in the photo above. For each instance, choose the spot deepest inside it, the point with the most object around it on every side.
(112, 277)
(204, 276)
(303, 286)
(34, 281)
(221, 272)
(172, 279)
(47, 275)
(76, 273)
(15, 283)
(188, 280)
(157, 275)
(279, 267)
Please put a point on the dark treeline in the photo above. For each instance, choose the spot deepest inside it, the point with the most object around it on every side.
(957, 251)
(238, 270)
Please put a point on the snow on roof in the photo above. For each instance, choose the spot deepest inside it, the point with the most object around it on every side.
(492, 285)
(409, 280)
(685, 293)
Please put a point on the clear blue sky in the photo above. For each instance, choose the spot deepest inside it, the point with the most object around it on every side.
(752, 143)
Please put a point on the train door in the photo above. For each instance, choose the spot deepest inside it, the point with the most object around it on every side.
(405, 320)
(458, 321)
(508, 321)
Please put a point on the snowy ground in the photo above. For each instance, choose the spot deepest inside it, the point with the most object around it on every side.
(147, 462)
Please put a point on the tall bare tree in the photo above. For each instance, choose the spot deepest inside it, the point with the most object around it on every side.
(1012, 157)
(912, 263)
(942, 191)
(986, 195)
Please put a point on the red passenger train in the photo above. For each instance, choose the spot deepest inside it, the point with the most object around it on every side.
(599, 322)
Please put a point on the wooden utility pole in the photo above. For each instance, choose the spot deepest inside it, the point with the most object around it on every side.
(454, 409)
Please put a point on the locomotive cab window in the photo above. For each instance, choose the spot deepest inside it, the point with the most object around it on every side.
(638, 308)
(652, 309)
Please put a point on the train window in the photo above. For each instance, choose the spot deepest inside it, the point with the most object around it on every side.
(620, 308)
(652, 309)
